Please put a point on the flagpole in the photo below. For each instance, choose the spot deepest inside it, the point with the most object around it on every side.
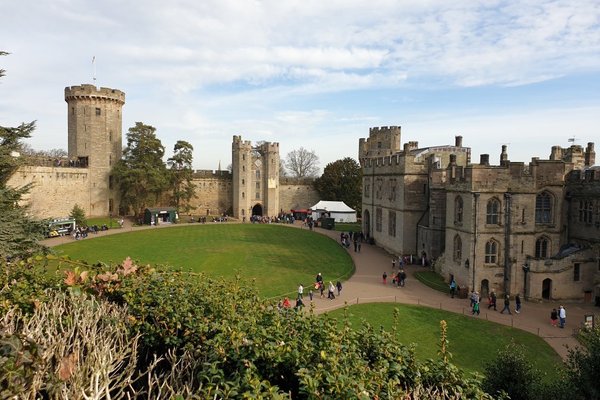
(94, 65)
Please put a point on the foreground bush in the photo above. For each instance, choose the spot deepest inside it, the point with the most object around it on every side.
(187, 335)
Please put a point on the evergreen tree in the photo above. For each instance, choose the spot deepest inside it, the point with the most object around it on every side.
(78, 214)
(19, 233)
(141, 174)
(181, 175)
(341, 181)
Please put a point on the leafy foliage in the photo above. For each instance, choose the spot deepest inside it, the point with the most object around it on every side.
(141, 174)
(78, 214)
(302, 163)
(583, 366)
(19, 233)
(181, 175)
(511, 374)
(341, 181)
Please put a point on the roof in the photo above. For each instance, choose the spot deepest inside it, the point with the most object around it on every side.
(334, 206)
(154, 209)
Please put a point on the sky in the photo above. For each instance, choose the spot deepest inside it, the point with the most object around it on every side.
(313, 73)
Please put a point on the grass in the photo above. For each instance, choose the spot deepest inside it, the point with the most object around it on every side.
(473, 342)
(278, 257)
(347, 227)
(433, 280)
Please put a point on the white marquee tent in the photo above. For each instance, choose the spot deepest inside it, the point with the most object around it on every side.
(336, 209)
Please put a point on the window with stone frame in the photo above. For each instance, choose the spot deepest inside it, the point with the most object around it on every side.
(367, 192)
(378, 219)
(576, 272)
(491, 252)
(392, 193)
(457, 248)
(379, 189)
(586, 211)
(543, 208)
(542, 247)
(458, 210)
(492, 216)
(392, 223)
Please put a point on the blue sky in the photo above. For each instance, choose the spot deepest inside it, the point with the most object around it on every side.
(313, 73)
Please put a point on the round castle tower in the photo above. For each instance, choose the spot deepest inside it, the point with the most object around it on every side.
(95, 141)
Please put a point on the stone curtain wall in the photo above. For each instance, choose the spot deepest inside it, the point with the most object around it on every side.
(297, 194)
(55, 190)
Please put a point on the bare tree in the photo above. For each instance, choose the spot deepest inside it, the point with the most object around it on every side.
(302, 163)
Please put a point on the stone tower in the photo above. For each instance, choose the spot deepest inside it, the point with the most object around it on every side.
(95, 141)
(255, 178)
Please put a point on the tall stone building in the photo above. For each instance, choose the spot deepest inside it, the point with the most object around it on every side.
(95, 140)
(511, 227)
(94, 115)
(255, 178)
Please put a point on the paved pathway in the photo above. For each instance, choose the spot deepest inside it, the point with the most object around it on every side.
(366, 286)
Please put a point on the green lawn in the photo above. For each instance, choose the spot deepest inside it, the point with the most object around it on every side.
(473, 341)
(347, 227)
(433, 280)
(279, 257)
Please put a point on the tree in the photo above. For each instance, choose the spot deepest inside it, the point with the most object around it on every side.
(583, 365)
(512, 374)
(181, 175)
(78, 214)
(302, 163)
(341, 181)
(141, 174)
(19, 233)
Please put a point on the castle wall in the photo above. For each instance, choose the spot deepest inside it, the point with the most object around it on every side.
(297, 194)
(213, 193)
(54, 191)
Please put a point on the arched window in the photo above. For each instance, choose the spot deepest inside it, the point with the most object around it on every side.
(542, 246)
(491, 252)
(458, 210)
(493, 212)
(258, 174)
(457, 248)
(543, 208)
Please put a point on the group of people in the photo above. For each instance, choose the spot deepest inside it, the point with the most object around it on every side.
(320, 286)
(398, 278)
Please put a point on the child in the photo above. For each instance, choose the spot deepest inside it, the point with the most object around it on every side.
(384, 278)
(476, 308)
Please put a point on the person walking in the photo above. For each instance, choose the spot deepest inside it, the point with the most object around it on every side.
(310, 294)
(518, 304)
(554, 317)
(393, 263)
(493, 300)
(385, 278)
(452, 288)
(562, 316)
(402, 277)
(300, 291)
(330, 294)
(506, 305)
(476, 308)
(338, 285)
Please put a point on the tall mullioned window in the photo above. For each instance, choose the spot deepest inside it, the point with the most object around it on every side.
(378, 219)
(458, 210)
(392, 223)
(491, 252)
(586, 211)
(541, 247)
(492, 215)
(543, 208)
(457, 248)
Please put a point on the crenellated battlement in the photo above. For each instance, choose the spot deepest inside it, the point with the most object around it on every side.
(384, 130)
(93, 93)
(209, 173)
